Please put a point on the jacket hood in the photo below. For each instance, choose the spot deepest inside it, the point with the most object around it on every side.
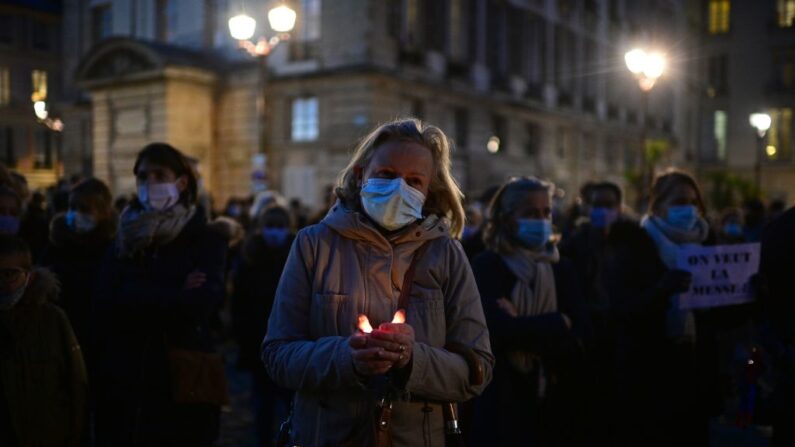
(354, 224)
(43, 286)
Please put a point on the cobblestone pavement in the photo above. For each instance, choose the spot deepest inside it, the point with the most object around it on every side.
(237, 419)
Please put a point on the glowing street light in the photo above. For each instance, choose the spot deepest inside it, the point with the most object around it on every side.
(646, 66)
(282, 19)
(242, 27)
(761, 122)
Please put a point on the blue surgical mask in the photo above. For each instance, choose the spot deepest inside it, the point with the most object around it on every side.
(603, 217)
(158, 196)
(534, 233)
(275, 237)
(733, 230)
(9, 225)
(391, 203)
(682, 217)
(469, 231)
(80, 222)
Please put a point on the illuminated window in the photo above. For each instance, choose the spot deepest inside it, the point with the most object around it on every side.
(720, 127)
(305, 123)
(309, 26)
(5, 86)
(784, 67)
(786, 13)
(38, 80)
(780, 134)
(719, 12)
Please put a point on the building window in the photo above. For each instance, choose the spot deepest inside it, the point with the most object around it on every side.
(42, 36)
(38, 80)
(101, 22)
(718, 74)
(305, 123)
(533, 145)
(784, 68)
(720, 127)
(165, 19)
(461, 118)
(517, 23)
(435, 25)
(7, 146)
(779, 137)
(786, 13)
(307, 37)
(5, 86)
(719, 14)
(561, 143)
(6, 29)
(458, 30)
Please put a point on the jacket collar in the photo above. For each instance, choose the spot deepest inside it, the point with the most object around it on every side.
(354, 224)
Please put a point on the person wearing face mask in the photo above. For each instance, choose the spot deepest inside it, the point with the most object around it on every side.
(10, 211)
(158, 379)
(398, 204)
(586, 248)
(537, 320)
(262, 260)
(79, 240)
(662, 395)
(42, 375)
(730, 227)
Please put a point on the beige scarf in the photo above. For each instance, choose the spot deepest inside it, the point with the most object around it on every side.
(533, 294)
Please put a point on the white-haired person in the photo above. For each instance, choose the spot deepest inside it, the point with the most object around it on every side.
(393, 229)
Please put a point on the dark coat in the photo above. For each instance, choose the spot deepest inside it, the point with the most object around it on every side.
(776, 271)
(42, 376)
(510, 411)
(256, 280)
(141, 308)
(665, 390)
(75, 259)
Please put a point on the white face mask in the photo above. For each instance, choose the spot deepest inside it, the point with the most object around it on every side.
(158, 196)
(392, 203)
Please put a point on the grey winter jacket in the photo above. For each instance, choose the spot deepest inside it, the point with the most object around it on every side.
(343, 267)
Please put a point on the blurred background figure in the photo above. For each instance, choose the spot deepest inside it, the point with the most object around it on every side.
(262, 260)
(730, 227)
(79, 240)
(537, 320)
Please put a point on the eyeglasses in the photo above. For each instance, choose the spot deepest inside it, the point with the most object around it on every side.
(11, 274)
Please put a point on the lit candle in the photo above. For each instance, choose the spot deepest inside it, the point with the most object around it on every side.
(365, 326)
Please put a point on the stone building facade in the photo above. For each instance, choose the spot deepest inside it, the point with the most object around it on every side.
(524, 87)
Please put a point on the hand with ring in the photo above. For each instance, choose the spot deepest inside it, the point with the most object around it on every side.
(397, 338)
(370, 358)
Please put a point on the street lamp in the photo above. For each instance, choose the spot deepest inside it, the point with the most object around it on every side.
(242, 28)
(648, 67)
(761, 122)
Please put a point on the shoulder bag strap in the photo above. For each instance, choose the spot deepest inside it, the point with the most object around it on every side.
(408, 278)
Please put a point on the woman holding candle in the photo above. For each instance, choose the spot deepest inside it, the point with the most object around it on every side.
(397, 203)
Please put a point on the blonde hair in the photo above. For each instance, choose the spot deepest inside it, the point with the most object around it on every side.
(444, 196)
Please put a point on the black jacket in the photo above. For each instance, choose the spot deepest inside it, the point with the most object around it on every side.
(141, 309)
(256, 279)
(510, 410)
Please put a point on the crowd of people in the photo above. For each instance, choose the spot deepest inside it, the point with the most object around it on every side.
(399, 311)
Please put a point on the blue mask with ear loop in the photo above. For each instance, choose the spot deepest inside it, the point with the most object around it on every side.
(682, 217)
(534, 233)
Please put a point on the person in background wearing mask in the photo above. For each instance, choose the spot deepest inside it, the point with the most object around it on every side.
(10, 211)
(537, 319)
(472, 237)
(42, 375)
(659, 398)
(395, 196)
(79, 241)
(730, 227)
(158, 290)
(263, 256)
(586, 248)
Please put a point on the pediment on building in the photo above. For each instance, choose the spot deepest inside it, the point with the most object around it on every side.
(120, 60)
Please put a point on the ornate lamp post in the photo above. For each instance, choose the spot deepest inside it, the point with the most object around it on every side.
(647, 67)
(242, 28)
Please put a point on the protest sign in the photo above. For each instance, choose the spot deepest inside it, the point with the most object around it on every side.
(721, 274)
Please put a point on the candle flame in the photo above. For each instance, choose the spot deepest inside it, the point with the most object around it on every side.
(364, 324)
(400, 317)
